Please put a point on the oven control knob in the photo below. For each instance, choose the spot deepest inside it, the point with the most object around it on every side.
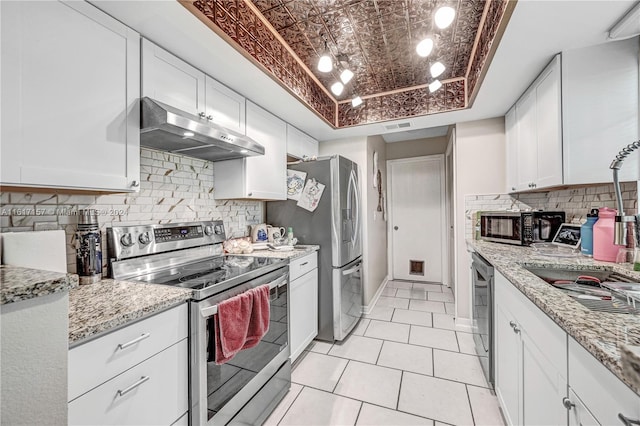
(219, 229)
(208, 230)
(126, 240)
(144, 238)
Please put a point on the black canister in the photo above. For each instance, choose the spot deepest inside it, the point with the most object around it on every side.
(89, 247)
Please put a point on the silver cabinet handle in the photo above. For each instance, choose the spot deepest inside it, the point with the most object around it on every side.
(513, 188)
(626, 421)
(395, 228)
(209, 117)
(134, 341)
(133, 386)
(567, 403)
(135, 184)
(302, 264)
(202, 114)
(515, 327)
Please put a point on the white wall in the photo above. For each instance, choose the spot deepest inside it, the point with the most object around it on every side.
(34, 336)
(479, 167)
(360, 150)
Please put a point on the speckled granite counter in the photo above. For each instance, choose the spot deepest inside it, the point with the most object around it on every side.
(600, 333)
(298, 251)
(24, 283)
(109, 304)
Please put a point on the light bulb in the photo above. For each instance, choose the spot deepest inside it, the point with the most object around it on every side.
(346, 76)
(444, 16)
(325, 64)
(425, 47)
(336, 88)
(437, 69)
(188, 134)
(435, 86)
(357, 101)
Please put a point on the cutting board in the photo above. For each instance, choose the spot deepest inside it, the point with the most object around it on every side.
(37, 249)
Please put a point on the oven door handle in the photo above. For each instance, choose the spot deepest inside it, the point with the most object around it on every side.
(212, 310)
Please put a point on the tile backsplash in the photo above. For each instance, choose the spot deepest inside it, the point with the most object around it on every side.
(575, 202)
(173, 188)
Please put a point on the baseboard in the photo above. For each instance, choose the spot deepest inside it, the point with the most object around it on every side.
(464, 324)
(366, 309)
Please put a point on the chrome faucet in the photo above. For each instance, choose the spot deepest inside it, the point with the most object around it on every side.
(625, 225)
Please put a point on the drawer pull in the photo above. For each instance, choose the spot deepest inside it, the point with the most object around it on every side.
(626, 421)
(567, 403)
(133, 386)
(134, 341)
(302, 264)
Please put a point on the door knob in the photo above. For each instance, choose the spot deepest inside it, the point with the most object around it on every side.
(395, 228)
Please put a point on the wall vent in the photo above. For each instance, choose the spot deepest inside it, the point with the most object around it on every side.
(397, 126)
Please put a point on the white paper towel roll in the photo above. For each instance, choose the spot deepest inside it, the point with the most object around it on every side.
(37, 249)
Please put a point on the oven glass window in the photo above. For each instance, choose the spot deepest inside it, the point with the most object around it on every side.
(226, 380)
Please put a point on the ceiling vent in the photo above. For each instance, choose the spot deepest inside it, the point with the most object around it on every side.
(397, 126)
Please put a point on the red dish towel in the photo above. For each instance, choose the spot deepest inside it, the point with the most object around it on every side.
(241, 322)
(260, 315)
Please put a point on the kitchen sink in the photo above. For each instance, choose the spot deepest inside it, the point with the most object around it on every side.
(618, 301)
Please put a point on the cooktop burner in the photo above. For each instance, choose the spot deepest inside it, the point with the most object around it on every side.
(209, 272)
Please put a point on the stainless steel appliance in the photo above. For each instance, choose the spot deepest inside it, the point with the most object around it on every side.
(483, 314)
(247, 388)
(88, 247)
(167, 128)
(335, 225)
(520, 228)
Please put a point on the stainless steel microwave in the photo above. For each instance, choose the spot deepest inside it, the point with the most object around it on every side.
(520, 228)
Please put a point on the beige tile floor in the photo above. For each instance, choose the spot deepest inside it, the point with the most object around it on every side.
(404, 364)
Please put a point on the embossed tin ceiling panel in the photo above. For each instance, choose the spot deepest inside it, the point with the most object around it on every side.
(376, 39)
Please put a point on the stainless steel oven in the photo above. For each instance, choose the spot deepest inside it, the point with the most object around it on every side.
(245, 389)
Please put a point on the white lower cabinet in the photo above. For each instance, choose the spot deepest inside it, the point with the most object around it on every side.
(303, 303)
(137, 375)
(598, 395)
(531, 360)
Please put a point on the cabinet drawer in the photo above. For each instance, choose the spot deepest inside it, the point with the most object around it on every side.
(603, 393)
(154, 392)
(99, 360)
(301, 266)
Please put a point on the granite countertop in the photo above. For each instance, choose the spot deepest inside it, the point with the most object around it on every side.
(109, 304)
(602, 334)
(25, 283)
(297, 252)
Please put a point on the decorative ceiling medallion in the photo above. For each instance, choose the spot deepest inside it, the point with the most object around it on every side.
(379, 37)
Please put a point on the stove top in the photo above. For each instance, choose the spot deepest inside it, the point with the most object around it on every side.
(210, 272)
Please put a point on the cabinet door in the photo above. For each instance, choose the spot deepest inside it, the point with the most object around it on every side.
(172, 81)
(527, 141)
(263, 177)
(549, 128)
(511, 135)
(70, 88)
(507, 359)
(303, 312)
(300, 144)
(224, 106)
(543, 386)
(600, 110)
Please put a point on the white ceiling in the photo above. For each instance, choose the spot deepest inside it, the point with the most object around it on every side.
(537, 30)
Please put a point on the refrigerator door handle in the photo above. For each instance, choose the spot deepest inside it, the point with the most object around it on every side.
(351, 271)
(354, 235)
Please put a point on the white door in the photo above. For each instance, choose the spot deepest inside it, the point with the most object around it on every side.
(416, 195)
(450, 218)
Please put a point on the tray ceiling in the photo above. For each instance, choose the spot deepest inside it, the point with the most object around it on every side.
(376, 39)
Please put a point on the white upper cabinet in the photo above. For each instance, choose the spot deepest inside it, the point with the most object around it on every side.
(70, 87)
(534, 137)
(299, 144)
(262, 177)
(224, 106)
(172, 81)
(600, 110)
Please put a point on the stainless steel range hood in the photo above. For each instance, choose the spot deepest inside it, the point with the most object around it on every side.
(169, 129)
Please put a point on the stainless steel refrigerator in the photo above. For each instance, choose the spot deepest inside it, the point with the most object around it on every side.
(335, 225)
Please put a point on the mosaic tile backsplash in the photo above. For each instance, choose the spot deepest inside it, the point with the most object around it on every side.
(173, 188)
(576, 203)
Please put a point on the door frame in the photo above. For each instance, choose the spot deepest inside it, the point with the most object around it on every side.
(450, 176)
(445, 254)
